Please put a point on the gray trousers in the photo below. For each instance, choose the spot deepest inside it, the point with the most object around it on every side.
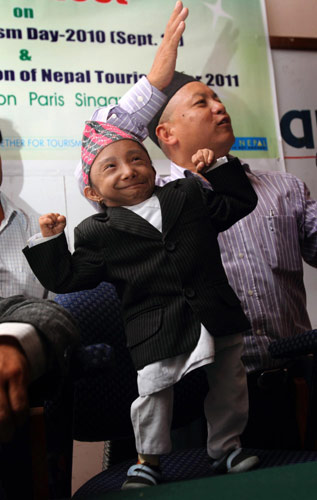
(226, 405)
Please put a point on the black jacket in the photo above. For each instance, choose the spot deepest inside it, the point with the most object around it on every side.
(168, 282)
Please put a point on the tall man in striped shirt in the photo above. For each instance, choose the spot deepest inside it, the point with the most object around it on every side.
(262, 253)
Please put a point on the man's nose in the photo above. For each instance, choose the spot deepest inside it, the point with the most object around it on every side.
(127, 171)
(217, 107)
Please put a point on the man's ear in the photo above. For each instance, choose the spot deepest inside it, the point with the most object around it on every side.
(91, 194)
(165, 134)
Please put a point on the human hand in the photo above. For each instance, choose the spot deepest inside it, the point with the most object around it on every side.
(52, 224)
(14, 378)
(164, 63)
(203, 159)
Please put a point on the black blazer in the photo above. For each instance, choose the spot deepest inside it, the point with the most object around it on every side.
(168, 282)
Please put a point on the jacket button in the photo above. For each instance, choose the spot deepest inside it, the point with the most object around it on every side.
(170, 246)
(189, 293)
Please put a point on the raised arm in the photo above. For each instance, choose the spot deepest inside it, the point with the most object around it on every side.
(137, 107)
(141, 102)
(164, 63)
(61, 271)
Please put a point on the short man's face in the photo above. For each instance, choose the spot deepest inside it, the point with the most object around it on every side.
(200, 120)
(122, 174)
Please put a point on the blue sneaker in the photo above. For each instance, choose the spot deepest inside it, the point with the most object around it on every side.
(141, 476)
(235, 461)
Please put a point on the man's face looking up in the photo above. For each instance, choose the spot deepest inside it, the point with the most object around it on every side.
(198, 120)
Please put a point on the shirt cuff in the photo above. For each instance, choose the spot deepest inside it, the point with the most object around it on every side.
(38, 238)
(220, 161)
(31, 344)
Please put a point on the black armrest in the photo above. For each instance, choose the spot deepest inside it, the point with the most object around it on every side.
(297, 345)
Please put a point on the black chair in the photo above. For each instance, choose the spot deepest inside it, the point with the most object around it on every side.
(294, 347)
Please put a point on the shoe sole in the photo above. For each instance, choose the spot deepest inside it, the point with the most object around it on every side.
(134, 486)
(246, 465)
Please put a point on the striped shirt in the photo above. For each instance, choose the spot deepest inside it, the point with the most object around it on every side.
(262, 256)
(16, 277)
(262, 253)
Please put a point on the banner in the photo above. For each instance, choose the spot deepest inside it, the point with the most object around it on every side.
(296, 75)
(63, 58)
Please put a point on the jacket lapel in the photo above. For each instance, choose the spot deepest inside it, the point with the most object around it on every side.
(171, 201)
(125, 220)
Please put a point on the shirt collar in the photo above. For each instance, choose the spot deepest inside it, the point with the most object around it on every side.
(153, 202)
(9, 210)
(246, 166)
(177, 171)
(7, 205)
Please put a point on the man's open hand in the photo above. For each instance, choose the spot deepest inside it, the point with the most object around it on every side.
(163, 67)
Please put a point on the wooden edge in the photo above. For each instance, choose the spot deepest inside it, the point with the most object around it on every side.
(293, 43)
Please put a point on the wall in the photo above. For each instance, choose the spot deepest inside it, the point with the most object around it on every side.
(292, 18)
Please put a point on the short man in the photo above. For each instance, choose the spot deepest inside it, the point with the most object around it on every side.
(158, 246)
(15, 228)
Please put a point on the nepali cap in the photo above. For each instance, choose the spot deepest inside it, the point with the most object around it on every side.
(178, 81)
(98, 135)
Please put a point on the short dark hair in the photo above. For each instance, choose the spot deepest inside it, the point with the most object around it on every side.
(178, 81)
(0, 137)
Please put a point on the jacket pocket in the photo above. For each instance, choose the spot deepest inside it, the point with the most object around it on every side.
(279, 242)
(143, 325)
